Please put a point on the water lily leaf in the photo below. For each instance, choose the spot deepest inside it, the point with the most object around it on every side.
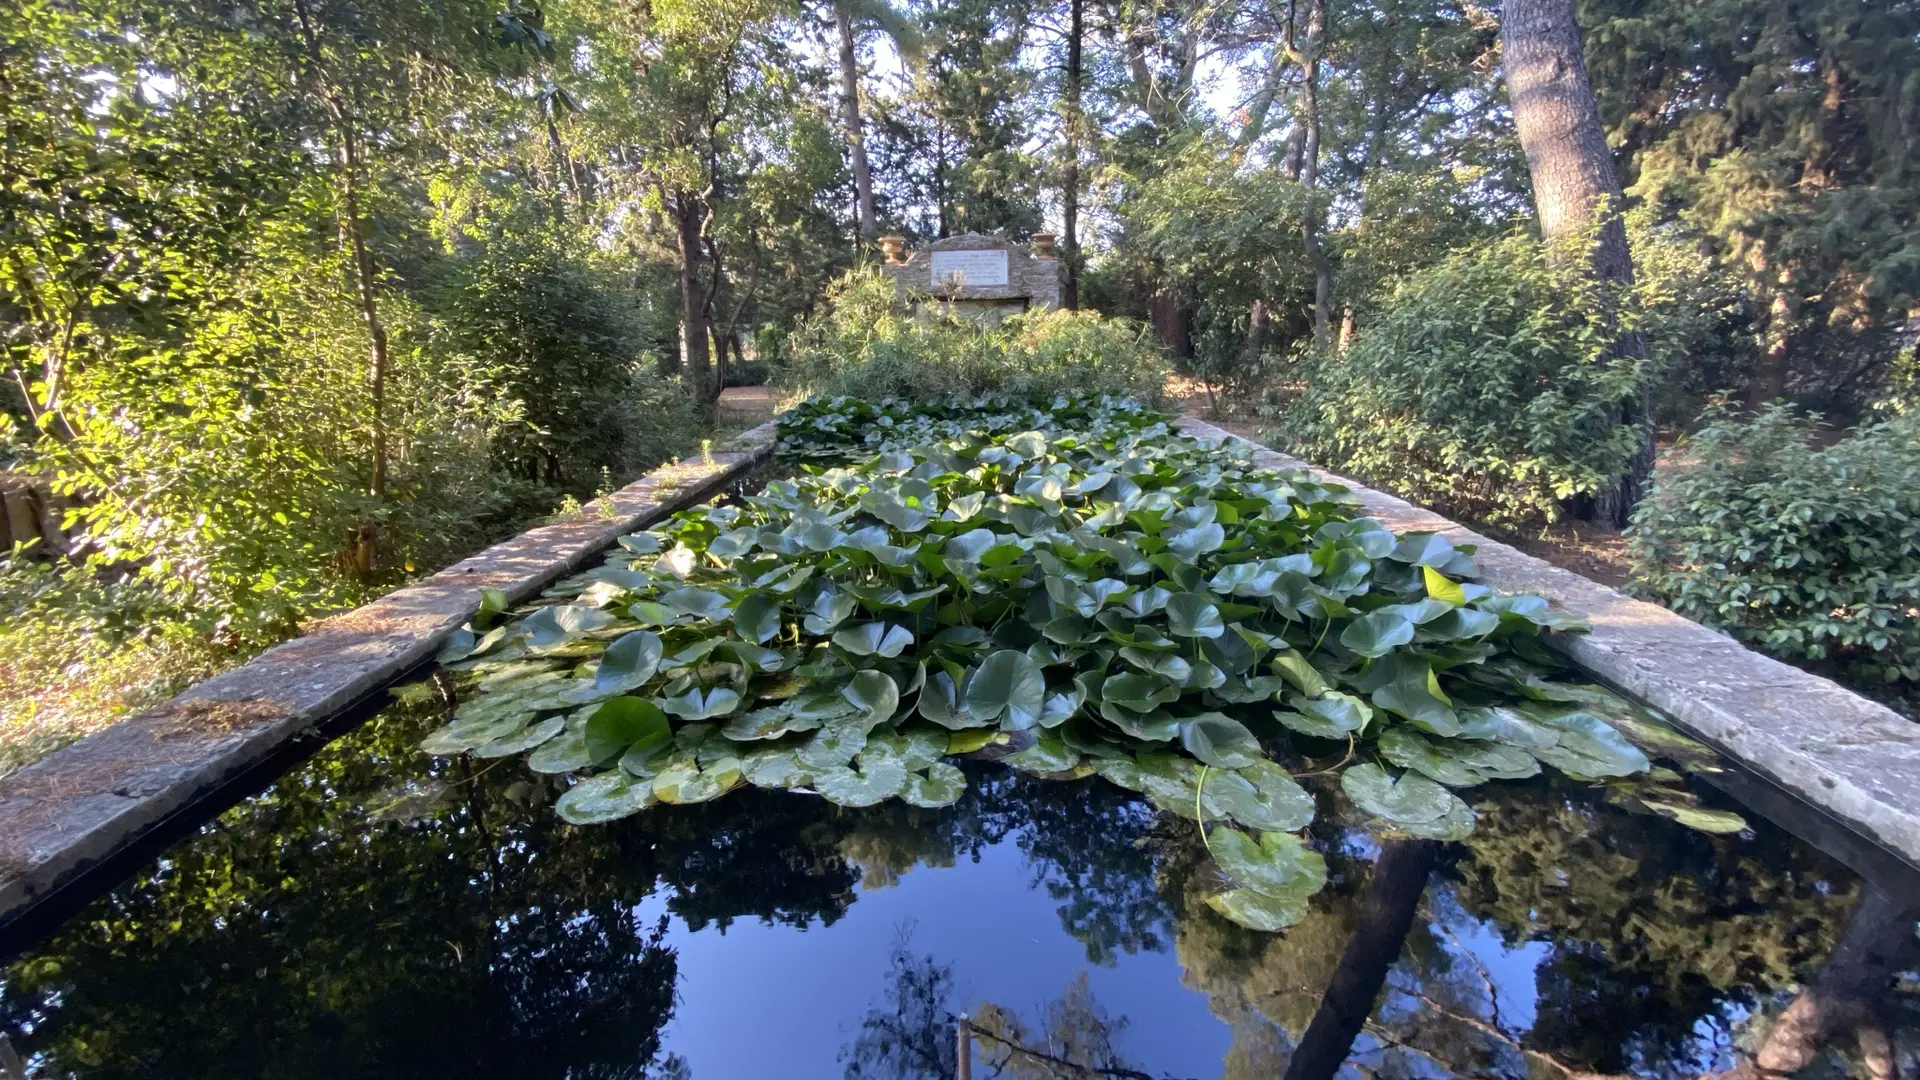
(565, 752)
(683, 782)
(833, 745)
(942, 785)
(1139, 693)
(1219, 741)
(1259, 796)
(459, 646)
(697, 603)
(1414, 697)
(1377, 633)
(557, 623)
(606, 797)
(873, 693)
(1456, 824)
(697, 704)
(1411, 798)
(1195, 616)
(493, 604)
(1504, 725)
(641, 544)
(622, 724)
(1258, 911)
(773, 767)
(1462, 624)
(1295, 668)
(1008, 684)
(869, 783)
(769, 722)
(1189, 544)
(1423, 549)
(652, 613)
(1332, 716)
(1454, 762)
(1048, 754)
(1440, 587)
(1703, 819)
(629, 662)
(1157, 725)
(464, 735)
(829, 610)
(757, 617)
(1122, 771)
(523, 740)
(1273, 864)
(874, 639)
(1588, 746)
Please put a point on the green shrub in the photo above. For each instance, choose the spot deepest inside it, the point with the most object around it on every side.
(862, 346)
(1809, 553)
(1485, 384)
(559, 339)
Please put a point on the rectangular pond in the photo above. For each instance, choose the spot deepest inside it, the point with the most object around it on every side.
(378, 912)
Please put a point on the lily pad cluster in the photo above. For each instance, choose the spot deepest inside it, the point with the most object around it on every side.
(840, 429)
(1090, 595)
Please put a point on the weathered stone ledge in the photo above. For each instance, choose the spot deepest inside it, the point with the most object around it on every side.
(1856, 760)
(88, 800)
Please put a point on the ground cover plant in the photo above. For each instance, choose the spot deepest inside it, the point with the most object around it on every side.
(1092, 595)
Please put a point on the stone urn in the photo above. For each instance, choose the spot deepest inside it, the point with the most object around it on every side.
(1043, 245)
(893, 246)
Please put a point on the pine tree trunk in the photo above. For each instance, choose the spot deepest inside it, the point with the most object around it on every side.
(1070, 196)
(1572, 170)
(688, 215)
(1310, 174)
(850, 115)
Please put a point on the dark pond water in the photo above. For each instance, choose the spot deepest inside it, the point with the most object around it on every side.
(377, 913)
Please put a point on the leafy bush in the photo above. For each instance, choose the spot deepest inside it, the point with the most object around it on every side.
(862, 345)
(559, 340)
(1807, 552)
(1484, 385)
(1103, 599)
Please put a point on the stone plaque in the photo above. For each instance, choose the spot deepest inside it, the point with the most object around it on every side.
(968, 269)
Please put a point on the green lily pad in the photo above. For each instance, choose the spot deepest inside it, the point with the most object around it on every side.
(773, 767)
(1409, 799)
(874, 694)
(1219, 741)
(1275, 864)
(768, 722)
(1259, 796)
(606, 797)
(1258, 911)
(557, 623)
(523, 740)
(1007, 684)
(1377, 633)
(869, 783)
(832, 746)
(942, 785)
(629, 662)
(1048, 754)
(686, 782)
(622, 724)
(1194, 616)
(757, 617)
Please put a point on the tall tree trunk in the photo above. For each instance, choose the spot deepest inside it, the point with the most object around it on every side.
(850, 115)
(1076, 124)
(1386, 915)
(688, 219)
(1310, 174)
(353, 231)
(1573, 179)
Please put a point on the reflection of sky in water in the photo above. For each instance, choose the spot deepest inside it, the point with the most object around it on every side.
(807, 991)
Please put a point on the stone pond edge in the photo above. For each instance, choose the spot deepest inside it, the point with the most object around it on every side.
(1854, 759)
(93, 798)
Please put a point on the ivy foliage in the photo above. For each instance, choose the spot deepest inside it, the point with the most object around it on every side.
(1807, 552)
(1101, 597)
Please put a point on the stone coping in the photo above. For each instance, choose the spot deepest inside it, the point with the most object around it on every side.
(1854, 759)
(86, 801)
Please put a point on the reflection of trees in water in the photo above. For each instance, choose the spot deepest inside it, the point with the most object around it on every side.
(912, 1032)
(1652, 930)
(301, 935)
(464, 931)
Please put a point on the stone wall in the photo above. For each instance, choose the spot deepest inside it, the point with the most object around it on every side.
(1032, 278)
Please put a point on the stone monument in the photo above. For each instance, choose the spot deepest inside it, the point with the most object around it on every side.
(985, 278)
